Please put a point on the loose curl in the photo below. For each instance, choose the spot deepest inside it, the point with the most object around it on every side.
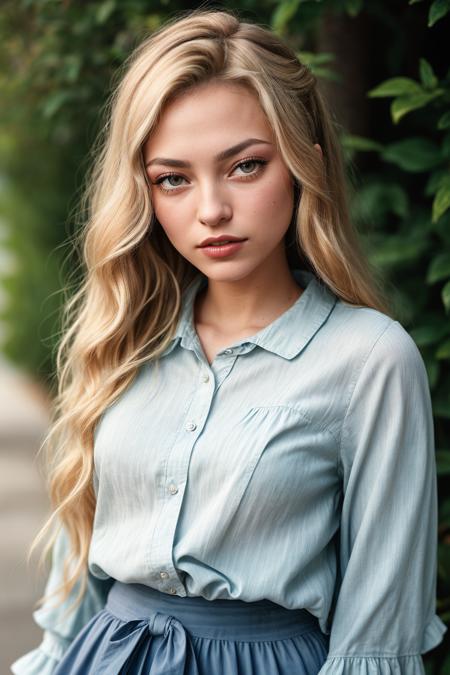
(126, 309)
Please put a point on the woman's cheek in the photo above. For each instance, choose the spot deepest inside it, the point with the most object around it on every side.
(271, 206)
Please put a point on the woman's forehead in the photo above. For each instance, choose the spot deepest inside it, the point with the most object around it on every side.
(213, 116)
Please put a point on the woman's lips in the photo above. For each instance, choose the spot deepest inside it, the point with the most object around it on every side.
(222, 250)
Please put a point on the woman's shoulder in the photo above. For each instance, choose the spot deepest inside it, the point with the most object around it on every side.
(361, 332)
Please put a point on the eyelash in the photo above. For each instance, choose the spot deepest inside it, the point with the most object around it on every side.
(260, 162)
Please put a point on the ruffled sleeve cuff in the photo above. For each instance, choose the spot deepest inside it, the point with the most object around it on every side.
(44, 659)
(409, 664)
(373, 665)
(433, 634)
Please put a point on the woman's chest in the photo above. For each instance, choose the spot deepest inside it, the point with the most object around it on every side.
(224, 430)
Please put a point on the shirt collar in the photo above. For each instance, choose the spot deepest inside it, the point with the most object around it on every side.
(286, 336)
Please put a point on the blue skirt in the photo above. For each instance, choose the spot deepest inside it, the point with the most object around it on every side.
(142, 631)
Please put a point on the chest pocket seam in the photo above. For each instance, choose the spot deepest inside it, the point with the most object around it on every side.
(302, 413)
(247, 476)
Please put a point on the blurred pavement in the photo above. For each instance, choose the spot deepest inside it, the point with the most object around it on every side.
(23, 508)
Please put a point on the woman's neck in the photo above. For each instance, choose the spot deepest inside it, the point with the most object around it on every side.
(246, 304)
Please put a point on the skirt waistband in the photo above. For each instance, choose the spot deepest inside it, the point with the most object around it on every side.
(220, 619)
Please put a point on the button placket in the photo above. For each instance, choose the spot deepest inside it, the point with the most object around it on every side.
(223, 367)
(176, 471)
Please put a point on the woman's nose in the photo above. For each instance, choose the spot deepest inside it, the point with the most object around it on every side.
(213, 206)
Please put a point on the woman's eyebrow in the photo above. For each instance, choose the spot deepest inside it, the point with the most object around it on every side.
(225, 154)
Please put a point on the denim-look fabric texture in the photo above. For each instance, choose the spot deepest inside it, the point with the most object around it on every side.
(298, 467)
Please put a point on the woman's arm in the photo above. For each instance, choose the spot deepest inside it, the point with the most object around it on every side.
(385, 617)
(60, 630)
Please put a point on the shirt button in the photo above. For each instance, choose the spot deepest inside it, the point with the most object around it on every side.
(228, 351)
(191, 426)
(205, 377)
(163, 575)
(172, 590)
(173, 489)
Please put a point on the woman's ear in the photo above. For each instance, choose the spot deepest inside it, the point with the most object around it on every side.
(319, 149)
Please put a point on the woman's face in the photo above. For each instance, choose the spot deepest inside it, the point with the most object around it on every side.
(214, 170)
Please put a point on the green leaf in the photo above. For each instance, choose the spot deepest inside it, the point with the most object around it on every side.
(404, 104)
(443, 351)
(439, 268)
(353, 7)
(54, 102)
(71, 67)
(317, 63)
(312, 59)
(375, 201)
(430, 333)
(413, 154)
(396, 250)
(445, 294)
(444, 121)
(326, 74)
(414, 2)
(443, 462)
(359, 143)
(434, 181)
(438, 10)
(427, 76)
(104, 11)
(396, 86)
(442, 228)
(283, 14)
(441, 200)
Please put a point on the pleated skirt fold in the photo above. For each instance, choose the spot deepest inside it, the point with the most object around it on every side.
(142, 631)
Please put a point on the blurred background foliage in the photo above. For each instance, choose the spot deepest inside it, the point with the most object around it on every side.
(382, 64)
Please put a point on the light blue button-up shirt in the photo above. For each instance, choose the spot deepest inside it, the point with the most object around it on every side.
(298, 466)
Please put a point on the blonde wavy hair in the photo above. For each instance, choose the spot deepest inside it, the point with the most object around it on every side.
(127, 306)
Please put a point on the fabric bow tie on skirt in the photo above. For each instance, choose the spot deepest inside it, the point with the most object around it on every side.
(132, 648)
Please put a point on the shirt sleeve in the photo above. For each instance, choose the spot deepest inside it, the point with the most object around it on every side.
(60, 630)
(384, 616)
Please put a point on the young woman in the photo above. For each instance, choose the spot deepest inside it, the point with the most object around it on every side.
(243, 472)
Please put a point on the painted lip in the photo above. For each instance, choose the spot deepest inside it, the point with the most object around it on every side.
(222, 237)
(222, 250)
